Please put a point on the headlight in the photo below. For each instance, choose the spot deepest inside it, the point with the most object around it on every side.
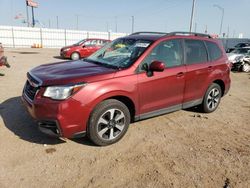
(67, 49)
(61, 92)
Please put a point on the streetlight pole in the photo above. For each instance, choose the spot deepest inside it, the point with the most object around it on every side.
(133, 23)
(222, 16)
(57, 22)
(116, 24)
(192, 16)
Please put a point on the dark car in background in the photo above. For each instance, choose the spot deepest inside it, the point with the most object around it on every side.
(239, 45)
(83, 48)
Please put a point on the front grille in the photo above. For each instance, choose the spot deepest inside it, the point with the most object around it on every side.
(36, 82)
(30, 91)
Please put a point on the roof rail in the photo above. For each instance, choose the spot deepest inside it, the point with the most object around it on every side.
(148, 33)
(188, 33)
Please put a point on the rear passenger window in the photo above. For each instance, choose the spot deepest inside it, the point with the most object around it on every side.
(195, 52)
(213, 50)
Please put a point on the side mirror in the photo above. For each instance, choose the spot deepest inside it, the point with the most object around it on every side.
(83, 46)
(157, 66)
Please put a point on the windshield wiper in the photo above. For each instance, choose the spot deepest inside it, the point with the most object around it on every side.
(102, 64)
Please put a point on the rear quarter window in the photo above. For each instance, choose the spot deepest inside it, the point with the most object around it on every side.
(213, 50)
(195, 51)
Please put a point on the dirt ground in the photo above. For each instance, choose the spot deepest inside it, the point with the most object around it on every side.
(180, 149)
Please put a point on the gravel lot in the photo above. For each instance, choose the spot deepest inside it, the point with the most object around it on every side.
(180, 149)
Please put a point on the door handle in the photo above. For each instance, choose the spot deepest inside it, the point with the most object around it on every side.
(210, 68)
(180, 74)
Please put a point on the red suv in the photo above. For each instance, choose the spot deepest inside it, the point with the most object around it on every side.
(83, 48)
(136, 77)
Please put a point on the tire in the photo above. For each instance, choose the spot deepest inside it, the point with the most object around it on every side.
(212, 98)
(108, 122)
(246, 67)
(75, 56)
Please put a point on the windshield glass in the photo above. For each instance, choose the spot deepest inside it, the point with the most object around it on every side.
(121, 53)
(80, 42)
(241, 51)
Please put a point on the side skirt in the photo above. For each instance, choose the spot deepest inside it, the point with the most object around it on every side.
(168, 110)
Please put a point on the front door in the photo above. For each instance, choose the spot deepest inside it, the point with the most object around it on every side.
(163, 91)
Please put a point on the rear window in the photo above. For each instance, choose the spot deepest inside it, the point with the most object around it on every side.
(213, 50)
(195, 52)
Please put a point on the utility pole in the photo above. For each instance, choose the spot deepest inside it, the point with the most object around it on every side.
(33, 17)
(222, 16)
(57, 22)
(133, 23)
(206, 29)
(49, 23)
(107, 26)
(192, 16)
(27, 14)
(77, 17)
(116, 24)
(234, 34)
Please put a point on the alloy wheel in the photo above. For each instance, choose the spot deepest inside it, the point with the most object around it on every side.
(213, 99)
(110, 124)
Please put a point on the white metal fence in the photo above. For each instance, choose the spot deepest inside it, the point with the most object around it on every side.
(49, 38)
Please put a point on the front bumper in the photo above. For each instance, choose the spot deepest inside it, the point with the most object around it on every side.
(64, 54)
(66, 118)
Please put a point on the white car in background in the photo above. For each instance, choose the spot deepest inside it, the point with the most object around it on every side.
(240, 59)
(237, 54)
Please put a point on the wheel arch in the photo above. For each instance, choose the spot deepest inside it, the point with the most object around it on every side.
(125, 99)
(221, 84)
(128, 102)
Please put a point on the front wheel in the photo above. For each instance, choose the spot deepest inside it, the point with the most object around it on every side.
(108, 122)
(212, 98)
(246, 67)
(75, 56)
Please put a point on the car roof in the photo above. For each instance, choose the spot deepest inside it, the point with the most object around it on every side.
(153, 36)
(96, 39)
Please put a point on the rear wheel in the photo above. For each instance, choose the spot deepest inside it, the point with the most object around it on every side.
(75, 56)
(212, 98)
(108, 122)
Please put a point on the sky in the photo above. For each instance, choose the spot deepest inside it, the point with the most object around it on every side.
(149, 15)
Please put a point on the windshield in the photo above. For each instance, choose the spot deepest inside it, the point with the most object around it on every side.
(121, 53)
(241, 51)
(80, 42)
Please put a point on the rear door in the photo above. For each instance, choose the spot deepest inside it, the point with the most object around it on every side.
(198, 69)
(162, 92)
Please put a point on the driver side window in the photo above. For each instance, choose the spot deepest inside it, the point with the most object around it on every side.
(168, 52)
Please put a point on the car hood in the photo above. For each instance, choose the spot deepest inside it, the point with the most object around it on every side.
(71, 46)
(232, 56)
(70, 72)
